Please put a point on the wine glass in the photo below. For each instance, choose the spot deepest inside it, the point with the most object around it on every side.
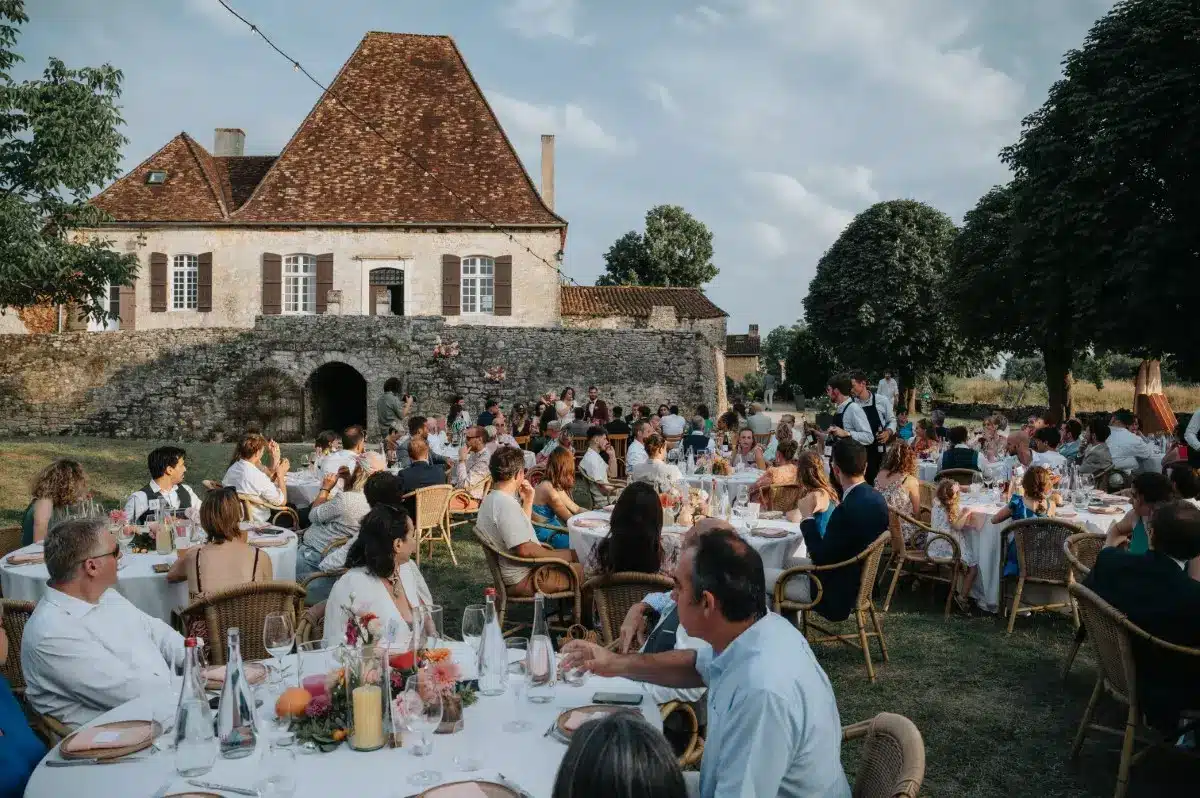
(278, 637)
(518, 652)
(422, 713)
(976, 485)
(472, 625)
(743, 496)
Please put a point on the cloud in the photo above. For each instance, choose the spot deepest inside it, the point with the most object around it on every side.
(570, 123)
(216, 15)
(536, 19)
(699, 19)
(792, 199)
(660, 94)
(844, 182)
(766, 239)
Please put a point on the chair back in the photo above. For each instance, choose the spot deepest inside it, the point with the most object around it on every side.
(785, 497)
(492, 556)
(522, 441)
(1039, 543)
(432, 502)
(870, 557)
(535, 475)
(928, 490)
(892, 762)
(615, 593)
(16, 615)
(672, 441)
(10, 540)
(1107, 630)
(1081, 550)
(962, 476)
(243, 606)
(584, 493)
(580, 444)
(620, 446)
(211, 484)
(763, 439)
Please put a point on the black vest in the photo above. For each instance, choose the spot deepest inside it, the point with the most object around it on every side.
(184, 496)
(662, 637)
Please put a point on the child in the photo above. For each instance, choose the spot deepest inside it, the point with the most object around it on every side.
(950, 520)
(1038, 502)
(904, 427)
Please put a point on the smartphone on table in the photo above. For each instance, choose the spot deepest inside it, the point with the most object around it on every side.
(618, 699)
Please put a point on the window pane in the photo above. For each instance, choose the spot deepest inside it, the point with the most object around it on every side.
(185, 278)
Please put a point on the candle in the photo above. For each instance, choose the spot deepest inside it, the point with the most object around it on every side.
(315, 685)
(368, 717)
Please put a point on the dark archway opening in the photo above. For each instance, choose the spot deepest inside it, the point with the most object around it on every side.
(339, 398)
(392, 281)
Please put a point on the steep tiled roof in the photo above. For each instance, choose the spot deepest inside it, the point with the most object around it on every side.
(190, 194)
(636, 300)
(240, 175)
(743, 345)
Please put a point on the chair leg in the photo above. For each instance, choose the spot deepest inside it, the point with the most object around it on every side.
(862, 639)
(1087, 717)
(887, 602)
(1012, 614)
(950, 595)
(878, 631)
(1080, 636)
(1126, 752)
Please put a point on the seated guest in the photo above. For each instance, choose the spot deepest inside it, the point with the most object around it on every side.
(619, 756)
(758, 421)
(656, 425)
(20, 748)
(579, 426)
(773, 722)
(550, 442)
(552, 502)
(925, 440)
(549, 416)
(502, 436)
(471, 470)
(383, 579)
(488, 416)
(166, 490)
(1072, 431)
(938, 417)
(327, 441)
(595, 465)
(1019, 447)
(904, 427)
(635, 453)
(710, 423)
(748, 453)
(697, 441)
(227, 559)
(1045, 442)
(504, 521)
(635, 540)
(54, 490)
(657, 471)
(739, 410)
(426, 429)
(391, 445)
(618, 425)
(247, 475)
(1036, 502)
(392, 408)
(354, 443)
(817, 496)
(600, 415)
(959, 455)
(673, 424)
(1096, 457)
(86, 649)
(420, 473)
(1183, 479)
(784, 432)
(1125, 446)
(1155, 593)
(992, 443)
(782, 471)
(1150, 491)
(435, 436)
(853, 526)
(521, 423)
(727, 427)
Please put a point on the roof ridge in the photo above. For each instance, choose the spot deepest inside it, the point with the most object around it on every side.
(219, 195)
(143, 162)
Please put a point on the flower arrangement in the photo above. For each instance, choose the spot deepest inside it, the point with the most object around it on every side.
(441, 350)
(494, 374)
(118, 517)
(435, 671)
(365, 627)
(721, 466)
(326, 718)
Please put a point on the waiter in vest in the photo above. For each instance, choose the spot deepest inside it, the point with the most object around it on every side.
(166, 490)
(880, 417)
(849, 419)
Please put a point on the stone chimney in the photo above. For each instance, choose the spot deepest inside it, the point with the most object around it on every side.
(548, 170)
(229, 141)
(753, 330)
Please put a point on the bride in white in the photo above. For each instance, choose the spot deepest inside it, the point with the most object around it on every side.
(383, 579)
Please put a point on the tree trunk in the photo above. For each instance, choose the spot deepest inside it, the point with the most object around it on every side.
(910, 400)
(1058, 385)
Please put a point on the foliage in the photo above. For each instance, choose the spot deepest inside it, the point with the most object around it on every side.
(676, 250)
(877, 299)
(776, 345)
(59, 141)
(752, 386)
(809, 363)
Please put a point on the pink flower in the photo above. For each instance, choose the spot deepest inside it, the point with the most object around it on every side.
(117, 516)
(444, 676)
(351, 632)
(318, 707)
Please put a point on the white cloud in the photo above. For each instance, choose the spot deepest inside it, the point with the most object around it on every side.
(699, 18)
(570, 123)
(535, 19)
(767, 239)
(844, 182)
(788, 195)
(660, 94)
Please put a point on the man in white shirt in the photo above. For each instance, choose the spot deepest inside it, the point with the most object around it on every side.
(435, 433)
(881, 417)
(636, 454)
(471, 470)
(888, 388)
(1125, 447)
(86, 649)
(503, 436)
(758, 421)
(166, 489)
(246, 475)
(354, 443)
(595, 466)
(1045, 442)
(673, 424)
(849, 419)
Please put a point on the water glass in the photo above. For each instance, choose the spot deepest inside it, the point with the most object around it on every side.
(517, 654)
(278, 637)
(573, 677)
(278, 769)
(472, 625)
(1080, 499)
(422, 713)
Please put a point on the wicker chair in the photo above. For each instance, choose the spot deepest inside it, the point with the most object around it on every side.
(1040, 560)
(495, 556)
(694, 750)
(892, 763)
(615, 593)
(457, 518)
(580, 444)
(927, 490)
(250, 502)
(672, 441)
(522, 441)
(926, 567)
(783, 498)
(10, 540)
(620, 446)
(245, 607)
(962, 476)
(587, 492)
(535, 475)
(211, 484)
(16, 615)
(1113, 635)
(763, 439)
(433, 518)
(868, 560)
(311, 625)
(50, 729)
(1081, 552)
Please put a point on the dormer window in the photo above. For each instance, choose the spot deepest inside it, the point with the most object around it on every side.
(156, 178)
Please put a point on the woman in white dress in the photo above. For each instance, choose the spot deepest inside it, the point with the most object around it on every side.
(383, 579)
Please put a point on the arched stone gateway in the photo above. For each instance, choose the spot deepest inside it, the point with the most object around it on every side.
(335, 398)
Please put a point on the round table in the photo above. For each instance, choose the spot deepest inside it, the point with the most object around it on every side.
(137, 581)
(527, 758)
(927, 470)
(303, 487)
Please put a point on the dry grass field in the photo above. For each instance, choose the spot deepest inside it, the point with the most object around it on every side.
(1114, 394)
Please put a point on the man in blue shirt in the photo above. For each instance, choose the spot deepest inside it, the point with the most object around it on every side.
(773, 723)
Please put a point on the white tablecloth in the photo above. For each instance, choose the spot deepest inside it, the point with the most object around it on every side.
(527, 758)
(927, 470)
(303, 487)
(136, 580)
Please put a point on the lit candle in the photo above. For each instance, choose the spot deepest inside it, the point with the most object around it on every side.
(368, 716)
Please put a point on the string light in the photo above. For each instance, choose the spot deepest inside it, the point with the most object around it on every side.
(298, 67)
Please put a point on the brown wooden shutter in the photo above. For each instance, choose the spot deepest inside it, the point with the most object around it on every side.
(158, 282)
(127, 307)
(272, 284)
(502, 302)
(451, 285)
(204, 282)
(324, 280)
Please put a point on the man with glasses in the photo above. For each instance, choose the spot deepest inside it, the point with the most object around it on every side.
(471, 470)
(86, 649)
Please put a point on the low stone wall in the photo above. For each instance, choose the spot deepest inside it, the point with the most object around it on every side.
(210, 383)
(1018, 415)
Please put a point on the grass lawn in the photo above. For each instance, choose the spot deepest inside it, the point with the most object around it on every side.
(996, 715)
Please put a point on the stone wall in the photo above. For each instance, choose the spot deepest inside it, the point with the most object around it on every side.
(196, 384)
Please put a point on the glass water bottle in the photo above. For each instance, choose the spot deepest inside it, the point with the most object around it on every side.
(195, 742)
(235, 714)
(541, 668)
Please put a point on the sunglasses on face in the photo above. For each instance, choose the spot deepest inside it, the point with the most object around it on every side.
(115, 554)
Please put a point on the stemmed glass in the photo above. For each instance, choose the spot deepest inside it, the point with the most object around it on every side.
(472, 625)
(422, 713)
(750, 513)
(976, 485)
(516, 668)
(743, 496)
(278, 637)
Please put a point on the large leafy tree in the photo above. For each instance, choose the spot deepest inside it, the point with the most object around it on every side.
(59, 141)
(877, 299)
(775, 347)
(809, 362)
(676, 250)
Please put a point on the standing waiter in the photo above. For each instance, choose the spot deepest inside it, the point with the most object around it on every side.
(880, 417)
(849, 418)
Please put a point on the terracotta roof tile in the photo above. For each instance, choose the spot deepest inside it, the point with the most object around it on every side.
(240, 175)
(190, 193)
(636, 300)
(743, 345)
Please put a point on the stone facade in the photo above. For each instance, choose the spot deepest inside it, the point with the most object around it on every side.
(295, 374)
(713, 330)
(738, 366)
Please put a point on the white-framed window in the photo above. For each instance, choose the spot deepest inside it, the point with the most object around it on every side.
(478, 284)
(300, 284)
(185, 276)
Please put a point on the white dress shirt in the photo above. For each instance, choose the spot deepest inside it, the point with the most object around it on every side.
(883, 406)
(673, 425)
(80, 660)
(137, 503)
(245, 477)
(635, 455)
(854, 421)
(1050, 459)
(594, 466)
(1191, 435)
(888, 388)
(437, 442)
(371, 594)
(342, 457)
(1126, 448)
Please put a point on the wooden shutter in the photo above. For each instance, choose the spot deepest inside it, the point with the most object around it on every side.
(502, 302)
(204, 282)
(127, 307)
(272, 284)
(158, 282)
(451, 285)
(324, 280)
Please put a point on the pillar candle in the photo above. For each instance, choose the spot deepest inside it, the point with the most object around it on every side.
(368, 716)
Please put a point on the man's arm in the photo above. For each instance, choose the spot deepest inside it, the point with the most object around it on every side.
(675, 668)
(759, 732)
(1191, 435)
(886, 414)
(857, 425)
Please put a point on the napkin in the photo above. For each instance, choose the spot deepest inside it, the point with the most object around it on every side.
(578, 718)
(591, 523)
(100, 738)
(255, 672)
(27, 558)
(770, 532)
(465, 789)
(266, 543)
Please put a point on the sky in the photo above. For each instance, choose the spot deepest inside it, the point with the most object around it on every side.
(772, 121)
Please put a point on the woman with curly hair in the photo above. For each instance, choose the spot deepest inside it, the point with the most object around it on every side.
(897, 481)
(56, 488)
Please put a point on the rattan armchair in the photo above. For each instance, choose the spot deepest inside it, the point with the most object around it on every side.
(522, 441)
(16, 615)
(892, 763)
(457, 518)
(783, 498)
(1113, 635)
(694, 750)
(614, 594)
(1081, 551)
(868, 561)
(588, 494)
(620, 448)
(10, 540)
(544, 565)
(1040, 560)
(433, 518)
(250, 502)
(311, 624)
(963, 476)
(763, 439)
(243, 606)
(927, 567)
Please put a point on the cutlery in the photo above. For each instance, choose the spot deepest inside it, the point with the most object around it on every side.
(70, 763)
(162, 791)
(512, 785)
(209, 785)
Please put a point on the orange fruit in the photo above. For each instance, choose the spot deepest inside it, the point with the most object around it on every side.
(292, 703)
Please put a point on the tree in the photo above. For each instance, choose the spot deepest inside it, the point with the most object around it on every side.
(809, 362)
(676, 250)
(877, 298)
(775, 347)
(58, 143)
